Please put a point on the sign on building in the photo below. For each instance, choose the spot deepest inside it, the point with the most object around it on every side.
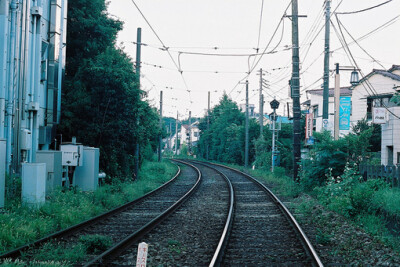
(345, 112)
(379, 115)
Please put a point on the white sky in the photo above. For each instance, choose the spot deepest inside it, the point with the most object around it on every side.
(233, 26)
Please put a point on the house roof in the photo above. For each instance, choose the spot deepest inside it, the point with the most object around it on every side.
(393, 68)
(344, 91)
(383, 73)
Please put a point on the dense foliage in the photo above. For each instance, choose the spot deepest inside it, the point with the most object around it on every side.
(226, 134)
(102, 102)
(328, 157)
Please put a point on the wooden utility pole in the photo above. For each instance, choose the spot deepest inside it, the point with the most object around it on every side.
(325, 106)
(160, 136)
(295, 86)
(138, 53)
(246, 149)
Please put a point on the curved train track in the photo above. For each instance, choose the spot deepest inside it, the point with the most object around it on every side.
(253, 228)
(214, 215)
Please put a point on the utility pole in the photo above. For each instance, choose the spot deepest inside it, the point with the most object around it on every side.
(176, 134)
(169, 136)
(261, 111)
(138, 53)
(246, 149)
(325, 106)
(160, 137)
(208, 126)
(337, 103)
(295, 86)
(190, 132)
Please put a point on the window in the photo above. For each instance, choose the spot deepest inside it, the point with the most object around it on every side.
(369, 108)
(390, 155)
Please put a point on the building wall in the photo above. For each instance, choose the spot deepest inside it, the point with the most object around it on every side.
(390, 137)
(381, 85)
(40, 35)
(396, 72)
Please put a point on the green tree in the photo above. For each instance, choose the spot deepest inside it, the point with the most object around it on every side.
(102, 103)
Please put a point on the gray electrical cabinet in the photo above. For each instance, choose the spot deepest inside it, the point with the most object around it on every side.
(87, 175)
(33, 184)
(53, 160)
(2, 171)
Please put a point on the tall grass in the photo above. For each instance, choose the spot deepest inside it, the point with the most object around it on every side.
(20, 225)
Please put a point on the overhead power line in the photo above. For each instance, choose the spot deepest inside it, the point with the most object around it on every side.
(363, 10)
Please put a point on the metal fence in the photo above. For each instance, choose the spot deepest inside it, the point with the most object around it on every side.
(390, 174)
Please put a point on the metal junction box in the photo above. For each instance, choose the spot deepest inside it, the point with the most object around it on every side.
(87, 175)
(26, 139)
(53, 160)
(72, 154)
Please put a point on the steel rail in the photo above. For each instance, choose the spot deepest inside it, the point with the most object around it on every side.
(219, 251)
(117, 249)
(316, 261)
(73, 229)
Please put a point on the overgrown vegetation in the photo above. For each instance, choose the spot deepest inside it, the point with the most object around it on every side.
(63, 208)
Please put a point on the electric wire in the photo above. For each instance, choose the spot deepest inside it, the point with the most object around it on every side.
(159, 39)
(355, 41)
(363, 10)
(366, 82)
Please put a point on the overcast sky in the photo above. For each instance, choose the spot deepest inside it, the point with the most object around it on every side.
(231, 27)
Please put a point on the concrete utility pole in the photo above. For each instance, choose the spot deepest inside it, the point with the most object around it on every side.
(261, 111)
(190, 132)
(160, 137)
(208, 125)
(295, 85)
(337, 103)
(138, 53)
(176, 134)
(325, 106)
(246, 149)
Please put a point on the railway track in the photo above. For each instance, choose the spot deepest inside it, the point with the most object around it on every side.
(229, 220)
(211, 229)
(121, 222)
(264, 233)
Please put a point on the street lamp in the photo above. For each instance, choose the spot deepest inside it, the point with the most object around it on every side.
(274, 105)
(353, 81)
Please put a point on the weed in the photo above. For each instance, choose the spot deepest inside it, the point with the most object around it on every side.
(322, 238)
(94, 244)
(174, 246)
